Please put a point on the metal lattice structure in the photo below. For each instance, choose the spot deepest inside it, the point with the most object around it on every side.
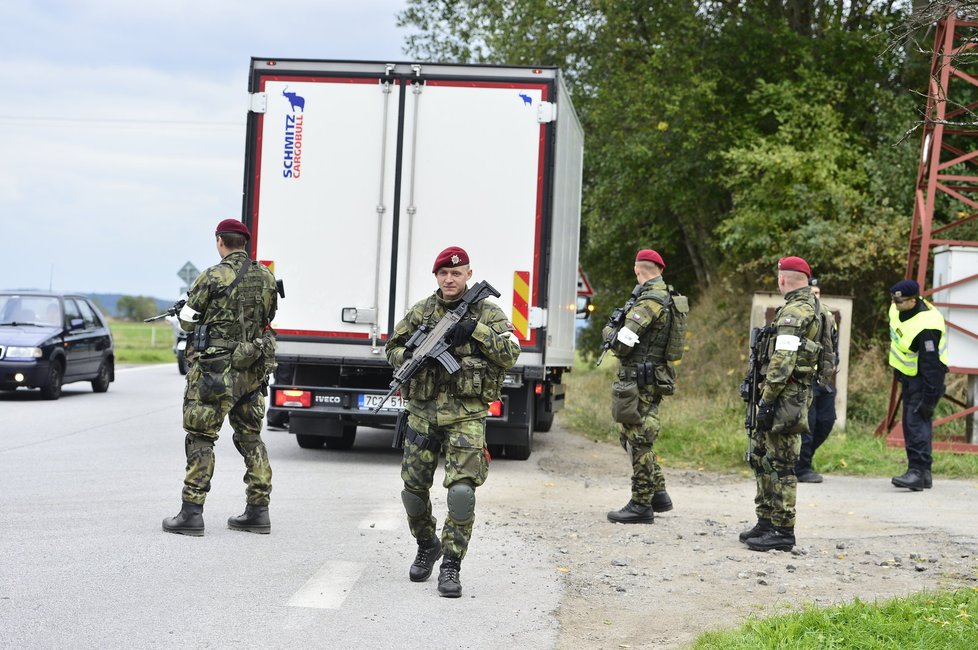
(947, 182)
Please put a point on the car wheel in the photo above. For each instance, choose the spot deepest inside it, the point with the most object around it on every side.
(101, 382)
(52, 390)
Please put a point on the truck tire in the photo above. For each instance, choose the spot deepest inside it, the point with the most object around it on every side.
(522, 450)
(544, 419)
(310, 442)
(345, 441)
(182, 362)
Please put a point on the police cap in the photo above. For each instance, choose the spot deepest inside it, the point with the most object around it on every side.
(905, 289)
(449, 258)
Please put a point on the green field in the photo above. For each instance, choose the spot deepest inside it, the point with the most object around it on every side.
(142, 342)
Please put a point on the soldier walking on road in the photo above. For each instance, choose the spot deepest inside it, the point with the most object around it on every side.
(447, 412)
(231, 351)
(645, 375)
(918, 355)
(786, 395)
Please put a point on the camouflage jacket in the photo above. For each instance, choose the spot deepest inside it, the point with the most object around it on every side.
(222, 312)
(442, 398)
(792, 347)
(649, 320)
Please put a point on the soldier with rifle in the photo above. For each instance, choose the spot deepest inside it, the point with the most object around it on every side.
(646, 335)
(778, 391)
(450, 354)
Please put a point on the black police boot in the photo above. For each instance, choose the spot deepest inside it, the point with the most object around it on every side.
(808, 475)
(424, 561)
(189, 521)
(661, 502)
(253, 520)
(762, 526)
(632, 513)
(775, 538)
(449, 584)
(928, 479)
(912, 479)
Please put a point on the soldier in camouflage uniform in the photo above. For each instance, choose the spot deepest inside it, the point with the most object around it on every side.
(447, 413)
(231, 351)
(642, 340)
(792, 353)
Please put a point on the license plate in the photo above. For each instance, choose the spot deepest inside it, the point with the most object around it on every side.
(370, 401)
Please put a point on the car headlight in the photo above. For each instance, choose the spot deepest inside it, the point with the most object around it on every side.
(23, 353)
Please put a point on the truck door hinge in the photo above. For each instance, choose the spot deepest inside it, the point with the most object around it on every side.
(546, 112)
(258, 102)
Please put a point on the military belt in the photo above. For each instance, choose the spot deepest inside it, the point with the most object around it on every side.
(223, 343)
(422, 441)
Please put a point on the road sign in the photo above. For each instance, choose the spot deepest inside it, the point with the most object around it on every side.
(188, 273)
(583, 284)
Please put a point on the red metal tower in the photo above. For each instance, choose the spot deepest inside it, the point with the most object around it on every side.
(947, 180)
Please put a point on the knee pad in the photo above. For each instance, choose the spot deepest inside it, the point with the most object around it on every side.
(414, 505)
(193, 445)
(245, 443)
(461, 502)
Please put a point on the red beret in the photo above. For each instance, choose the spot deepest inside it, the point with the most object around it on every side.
(450, 257)
(649, 255)
(794, 264)
(232, 225)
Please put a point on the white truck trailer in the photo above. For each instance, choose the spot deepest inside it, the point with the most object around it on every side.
(357, 174)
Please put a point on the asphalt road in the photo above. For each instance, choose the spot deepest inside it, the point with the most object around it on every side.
(85, 482)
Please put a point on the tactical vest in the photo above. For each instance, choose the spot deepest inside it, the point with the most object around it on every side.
(476, 378)
(902, 334)
(653, 348)
(809, 350)
(829, 340)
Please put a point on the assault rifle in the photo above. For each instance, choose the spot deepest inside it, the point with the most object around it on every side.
(616, 321)
(435, 342)
(172, 311)
(750, 387)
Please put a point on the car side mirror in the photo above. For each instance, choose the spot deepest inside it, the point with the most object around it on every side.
(584, 307)
(76, 323)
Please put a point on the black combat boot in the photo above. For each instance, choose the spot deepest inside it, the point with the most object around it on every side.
(913, 479)
(808, 475)
(775, 538)
(424, 561)
(661, 502)
(762, 526)
(632, 513)
(189, 521)
(449, 584)
(928, 479)
(253, 520)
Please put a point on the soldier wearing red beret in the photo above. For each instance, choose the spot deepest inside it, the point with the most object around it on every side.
(792, 351)
(646, 374)
(447, 412)
(231, 352)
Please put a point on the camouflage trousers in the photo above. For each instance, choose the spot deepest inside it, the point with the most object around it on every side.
(465, 461)
(647, 477)
(215, 392)
(775, 454)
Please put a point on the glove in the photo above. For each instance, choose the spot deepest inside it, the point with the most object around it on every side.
(407, 355)
(765, 416)
(925, 411)
(463, 332)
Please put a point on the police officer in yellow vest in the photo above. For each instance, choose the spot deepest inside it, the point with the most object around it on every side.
(918, 354)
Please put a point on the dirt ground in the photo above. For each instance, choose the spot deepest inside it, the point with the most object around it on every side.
(661, 585)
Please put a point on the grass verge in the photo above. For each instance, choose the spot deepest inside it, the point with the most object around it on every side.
(142, 342)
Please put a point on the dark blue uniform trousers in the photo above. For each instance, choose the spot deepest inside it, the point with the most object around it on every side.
(918, 431)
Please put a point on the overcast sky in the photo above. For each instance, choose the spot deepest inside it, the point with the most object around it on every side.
(122, 127)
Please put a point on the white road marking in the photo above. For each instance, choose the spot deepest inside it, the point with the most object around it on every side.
(329, 587)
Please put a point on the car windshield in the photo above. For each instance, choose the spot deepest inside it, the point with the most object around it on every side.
(41, 311)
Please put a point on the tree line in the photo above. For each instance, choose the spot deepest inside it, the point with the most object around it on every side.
(725, 133)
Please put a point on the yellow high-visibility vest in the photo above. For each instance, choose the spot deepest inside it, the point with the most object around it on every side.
(902, 334)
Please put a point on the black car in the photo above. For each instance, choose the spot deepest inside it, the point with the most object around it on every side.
(50, 339)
